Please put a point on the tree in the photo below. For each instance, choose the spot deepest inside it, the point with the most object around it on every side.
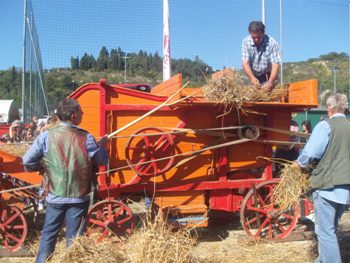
(103, 59)
(74, 62)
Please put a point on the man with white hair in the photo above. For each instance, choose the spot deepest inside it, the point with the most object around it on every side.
(328, 154)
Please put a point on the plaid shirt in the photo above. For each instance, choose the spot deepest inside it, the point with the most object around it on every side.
(261, 59)
(36, 152)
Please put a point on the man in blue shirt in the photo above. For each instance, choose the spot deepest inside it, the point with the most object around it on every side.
(327, 152)
(67, 153)
(261, 56)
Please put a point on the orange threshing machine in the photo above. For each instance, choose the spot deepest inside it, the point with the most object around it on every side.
(187, 155)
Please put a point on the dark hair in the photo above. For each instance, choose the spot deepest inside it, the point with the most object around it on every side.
(307, 125)
(66, 108)
(256, 26)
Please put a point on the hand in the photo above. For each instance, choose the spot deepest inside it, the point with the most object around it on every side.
(103, 141)
(255, 82)
(267, 87)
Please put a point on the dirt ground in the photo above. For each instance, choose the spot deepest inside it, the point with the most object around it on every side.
(225, 241)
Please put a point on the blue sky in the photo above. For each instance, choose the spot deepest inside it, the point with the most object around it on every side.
(211, 29)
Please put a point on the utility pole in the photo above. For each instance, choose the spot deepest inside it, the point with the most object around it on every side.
(125, 58)
(335, 70)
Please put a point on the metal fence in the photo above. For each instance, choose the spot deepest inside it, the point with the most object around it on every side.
(211, 30)
(33, 91)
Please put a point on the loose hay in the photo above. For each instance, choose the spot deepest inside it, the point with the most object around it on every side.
(294, 183)
(155, 242)
(231, 89)
(85, 249)
(17, 149)
(158, 242)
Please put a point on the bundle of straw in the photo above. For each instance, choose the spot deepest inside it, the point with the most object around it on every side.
(157, 242)
(17, 149)
(231, 89)
(85, 249)
(293, 184)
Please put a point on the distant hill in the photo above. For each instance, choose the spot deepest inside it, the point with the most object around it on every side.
(146, 68)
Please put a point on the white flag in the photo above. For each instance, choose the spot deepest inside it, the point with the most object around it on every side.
(166, 42)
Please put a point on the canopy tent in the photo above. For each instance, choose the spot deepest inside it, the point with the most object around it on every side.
(8, 111)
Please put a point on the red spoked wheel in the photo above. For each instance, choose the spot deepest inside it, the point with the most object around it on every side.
(261, 218)
(145, 150)
(110, 218)
(13, 227)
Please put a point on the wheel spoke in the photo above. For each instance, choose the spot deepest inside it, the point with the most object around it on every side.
(261, 228)
(147, 141)
(118, 212)
(100, 214)
(287, 216)
(122, 221)
(103, 235)
(249, 222)
(9, 220)
(257, 209)
(10, 236)
(97, 222)
(280, 227)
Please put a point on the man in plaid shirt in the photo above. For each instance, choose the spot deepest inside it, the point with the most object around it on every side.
(261, 56)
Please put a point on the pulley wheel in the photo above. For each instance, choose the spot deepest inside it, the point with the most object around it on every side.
(146, 150)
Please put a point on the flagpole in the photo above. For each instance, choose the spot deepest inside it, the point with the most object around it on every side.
(166, 42)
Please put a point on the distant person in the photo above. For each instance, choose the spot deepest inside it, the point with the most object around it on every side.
(16, 130)
(288, 152)
(68, 154)
(306, 128)
(327, 154)
(261, 57)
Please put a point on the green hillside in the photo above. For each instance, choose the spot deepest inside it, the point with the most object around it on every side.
(147, 68)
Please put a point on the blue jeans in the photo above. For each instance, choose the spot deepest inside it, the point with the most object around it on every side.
(55, 215)
(327, 216)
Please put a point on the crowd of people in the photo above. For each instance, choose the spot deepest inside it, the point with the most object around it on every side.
(19, 132)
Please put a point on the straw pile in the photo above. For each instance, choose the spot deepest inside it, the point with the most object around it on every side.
(17, 149)
(294, 183)
(155, 242)
(230, 88)
(85, 249)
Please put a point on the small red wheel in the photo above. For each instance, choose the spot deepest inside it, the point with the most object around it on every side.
(109, 218)
(13, 227)
(261, 218)
(144, 152)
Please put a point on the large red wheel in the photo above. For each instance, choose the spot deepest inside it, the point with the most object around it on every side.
(109, 218)
(144, 150)
(13, 227)
(261, 218)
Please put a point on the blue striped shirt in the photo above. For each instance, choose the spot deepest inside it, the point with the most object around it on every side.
(261, 59)
(36, 152)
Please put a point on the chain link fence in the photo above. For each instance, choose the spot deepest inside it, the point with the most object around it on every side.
(312, 32)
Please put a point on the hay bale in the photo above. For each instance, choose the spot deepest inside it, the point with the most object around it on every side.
(230, 88)
(294, 183)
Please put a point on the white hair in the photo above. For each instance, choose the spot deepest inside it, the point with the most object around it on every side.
(338, 102)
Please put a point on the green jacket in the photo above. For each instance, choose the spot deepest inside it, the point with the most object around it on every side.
(334, 167)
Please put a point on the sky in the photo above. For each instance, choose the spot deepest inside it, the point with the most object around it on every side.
(210, 29)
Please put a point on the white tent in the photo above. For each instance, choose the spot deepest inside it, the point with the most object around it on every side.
(8, 111)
